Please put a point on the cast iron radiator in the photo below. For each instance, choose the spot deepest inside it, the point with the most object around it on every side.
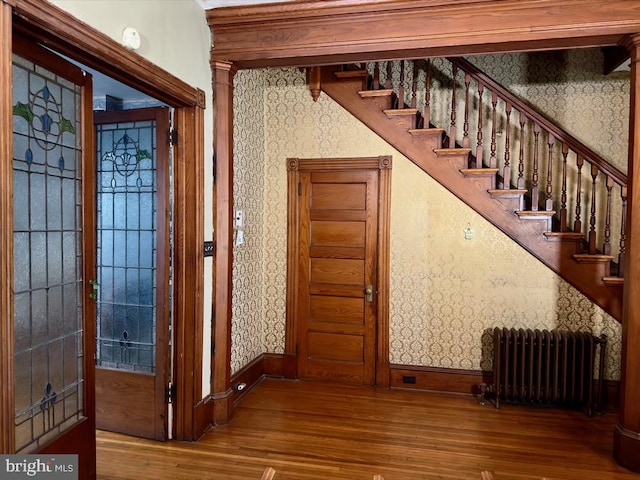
(542, 366)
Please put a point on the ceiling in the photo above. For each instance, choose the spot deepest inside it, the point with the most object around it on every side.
(208, 4)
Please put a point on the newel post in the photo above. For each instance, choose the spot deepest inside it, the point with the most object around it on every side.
(626, 439)
(222, 392)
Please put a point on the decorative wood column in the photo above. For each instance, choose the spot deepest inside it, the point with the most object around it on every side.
(6, 235)
(626, 440)
(221, 389)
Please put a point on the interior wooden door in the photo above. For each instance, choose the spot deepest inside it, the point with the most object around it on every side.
(53, 256)
(338, 228)
(132, 236)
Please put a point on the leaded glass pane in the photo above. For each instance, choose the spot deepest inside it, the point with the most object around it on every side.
(126, 253)
(47, 262)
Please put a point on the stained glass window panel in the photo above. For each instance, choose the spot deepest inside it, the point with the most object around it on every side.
(47, 262)
(126, 237)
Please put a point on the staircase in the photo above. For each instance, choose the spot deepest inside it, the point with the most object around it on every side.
(544, 189)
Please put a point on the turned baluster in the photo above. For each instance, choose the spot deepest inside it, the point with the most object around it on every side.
(479, 146)
(427, 94)
(506, 171)
(465, 135)
(387, 81)
(548, 204)
(493, 161)
(452, 130)
(592, 219)
(414, 85)
(577, 224)
(535, 195)
(376, 76)
(606, 247)
(523, 122)
(563, 197)
(623, 231)
(401, 88)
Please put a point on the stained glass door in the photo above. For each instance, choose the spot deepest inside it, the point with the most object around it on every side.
(132, 290)
(53, 256)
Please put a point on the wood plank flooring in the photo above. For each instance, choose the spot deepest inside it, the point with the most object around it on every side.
(307, 430)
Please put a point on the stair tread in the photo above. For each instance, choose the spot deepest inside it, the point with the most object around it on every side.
(564, 236)
(535, 213)
(375, 93)
(592, 258)
(426, 131)
(613, 281)
(400, 111)
(479, 172)
(352, 74)
(451, 151)
(507, 192)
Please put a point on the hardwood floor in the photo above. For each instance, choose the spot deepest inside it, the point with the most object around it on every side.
(308, 430)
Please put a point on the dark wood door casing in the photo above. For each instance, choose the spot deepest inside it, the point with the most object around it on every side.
(296, 167)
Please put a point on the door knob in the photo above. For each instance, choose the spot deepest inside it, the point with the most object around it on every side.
(368, 293)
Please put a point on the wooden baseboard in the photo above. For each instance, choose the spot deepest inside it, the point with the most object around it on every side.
(433, 379)
(203, 417)
(267, 364)
(449, 380)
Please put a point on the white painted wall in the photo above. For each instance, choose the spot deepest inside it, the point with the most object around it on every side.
(174, 36)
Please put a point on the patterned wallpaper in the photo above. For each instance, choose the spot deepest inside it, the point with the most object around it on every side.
(248, 323)
(446, 292)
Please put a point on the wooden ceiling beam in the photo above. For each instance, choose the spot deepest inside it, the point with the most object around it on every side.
(316, 33)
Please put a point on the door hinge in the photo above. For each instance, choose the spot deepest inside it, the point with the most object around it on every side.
(299, 189)
(173, 136)
(171, 393)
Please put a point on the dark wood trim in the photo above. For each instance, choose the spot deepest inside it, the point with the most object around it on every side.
(273, 364)
(223, 74)
(627, 435)
(44, 22)
(89, 272)
(7, 411)
(188, 270)
(613, 58)
(434, 379)
(203, 414)
(248, 376)
(307, 33)
(295, 166)
(461, 381)
(293, 255)
(384, 272)
(264, 365)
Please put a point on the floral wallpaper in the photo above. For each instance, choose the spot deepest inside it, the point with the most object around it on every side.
(446, 292)
(247, 305)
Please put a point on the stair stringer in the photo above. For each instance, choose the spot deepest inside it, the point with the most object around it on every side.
(588, 278)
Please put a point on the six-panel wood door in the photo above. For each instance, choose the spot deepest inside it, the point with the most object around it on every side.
(338, 224)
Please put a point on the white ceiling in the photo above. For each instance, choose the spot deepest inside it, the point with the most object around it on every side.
(208, 4)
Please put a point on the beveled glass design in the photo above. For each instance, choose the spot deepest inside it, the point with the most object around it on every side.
(126, 241)
(47, 237)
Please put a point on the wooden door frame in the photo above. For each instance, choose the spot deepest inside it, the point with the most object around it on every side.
(294, 167)
(46, 23)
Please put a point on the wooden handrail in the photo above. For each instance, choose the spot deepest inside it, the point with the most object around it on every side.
(540, 119)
